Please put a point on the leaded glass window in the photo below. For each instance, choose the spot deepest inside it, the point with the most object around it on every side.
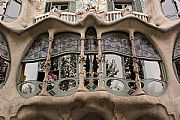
(144, 49)
(4, 59)
(176, 57)
(119, 63)
(117, 42)
(91, 64)
(64, 63)
(66, 43)
(38, 49)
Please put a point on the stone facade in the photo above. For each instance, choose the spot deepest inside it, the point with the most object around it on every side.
(89, 105)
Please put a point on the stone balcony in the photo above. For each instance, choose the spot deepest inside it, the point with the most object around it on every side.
(109, 16)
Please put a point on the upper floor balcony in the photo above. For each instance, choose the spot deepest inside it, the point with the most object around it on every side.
(106, 10)
(109, 16)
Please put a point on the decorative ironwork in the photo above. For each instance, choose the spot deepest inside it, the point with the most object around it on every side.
(3, 70)
(144, 48)
(117, 42)
(38, 49)
(4, 51)
(66, 42)
(68, 66)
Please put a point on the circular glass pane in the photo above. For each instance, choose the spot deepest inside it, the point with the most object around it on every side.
(27, 88)
(67, 85)
(115, 85)
(155, 86)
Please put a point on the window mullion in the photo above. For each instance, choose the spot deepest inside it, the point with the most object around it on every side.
(47, 67)
(136, 67)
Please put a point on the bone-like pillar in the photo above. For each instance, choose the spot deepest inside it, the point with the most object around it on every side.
(82, 59)
(47, 65)
(136, 69)
(100, 71)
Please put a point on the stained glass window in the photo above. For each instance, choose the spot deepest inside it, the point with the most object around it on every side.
(117, 42)
(144, 48)
(91, 64)
(38, 49)
(121, 68)
(65, 43)
(91, 42)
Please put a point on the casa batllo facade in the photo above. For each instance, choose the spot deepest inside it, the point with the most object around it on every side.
(89, 60)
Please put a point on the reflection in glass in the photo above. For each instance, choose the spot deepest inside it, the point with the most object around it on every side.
(31, 71)
(10, 10)
(115, 85)
(129, 68)
(113, 66)
(155, 86)
(91, 66)
(171, 9)
(27, 88)
(152, 70)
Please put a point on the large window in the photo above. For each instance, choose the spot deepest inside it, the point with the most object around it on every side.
(69, 6)
(135, 5)
(63, 73)
(171, 9)
(119, 64)
(4, 60)
(91, 64)
(114, 59)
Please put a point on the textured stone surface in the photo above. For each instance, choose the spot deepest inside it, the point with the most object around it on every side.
(82, 105)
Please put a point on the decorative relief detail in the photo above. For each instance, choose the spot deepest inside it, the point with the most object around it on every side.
(92, 6)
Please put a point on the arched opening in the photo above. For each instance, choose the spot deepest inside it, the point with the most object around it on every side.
(91, 54)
